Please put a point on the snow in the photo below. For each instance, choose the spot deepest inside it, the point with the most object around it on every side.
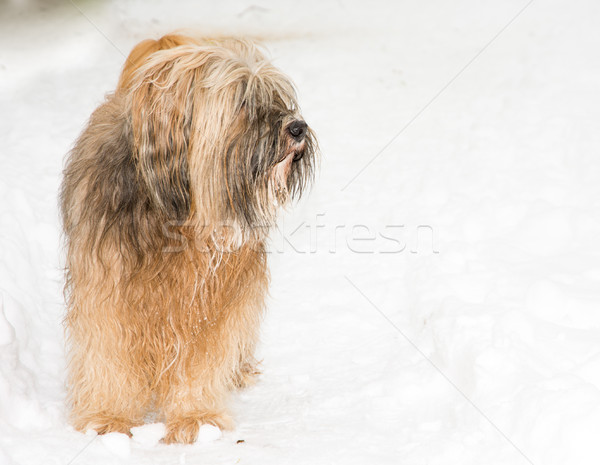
(117, 443)
(149, 434)
(438, 304)
(208, 433)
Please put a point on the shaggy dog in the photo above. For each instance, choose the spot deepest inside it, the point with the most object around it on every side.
(167, 199)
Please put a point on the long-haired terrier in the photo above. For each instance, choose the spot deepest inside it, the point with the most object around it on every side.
(167, 200)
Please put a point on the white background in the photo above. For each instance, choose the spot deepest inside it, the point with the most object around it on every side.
(475, 339)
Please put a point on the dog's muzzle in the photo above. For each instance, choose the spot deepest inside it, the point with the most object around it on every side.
(297, 130)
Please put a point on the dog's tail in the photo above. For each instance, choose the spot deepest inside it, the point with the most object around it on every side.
(143, 50)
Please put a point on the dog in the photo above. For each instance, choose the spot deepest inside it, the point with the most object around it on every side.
(167, 199)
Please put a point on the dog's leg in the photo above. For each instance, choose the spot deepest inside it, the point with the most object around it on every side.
(107, 390)
(197, 391)
(247, 370)
(198, 397)
(215, 348)
(198, 388)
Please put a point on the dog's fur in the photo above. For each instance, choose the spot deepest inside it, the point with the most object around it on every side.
(167, 198)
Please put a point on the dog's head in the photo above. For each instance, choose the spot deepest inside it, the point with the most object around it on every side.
(217, 135)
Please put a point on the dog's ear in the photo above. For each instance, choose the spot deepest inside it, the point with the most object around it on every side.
(161, 118)
(102, 199)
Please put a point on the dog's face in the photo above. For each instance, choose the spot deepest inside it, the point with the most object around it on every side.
(217, 136)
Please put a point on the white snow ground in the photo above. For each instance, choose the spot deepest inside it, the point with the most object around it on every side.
(380, 346)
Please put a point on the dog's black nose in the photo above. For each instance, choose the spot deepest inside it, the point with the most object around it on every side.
(298, 129)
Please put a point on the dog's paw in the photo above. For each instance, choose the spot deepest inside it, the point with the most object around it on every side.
(105, 423)
(184, 429)
(246, 375)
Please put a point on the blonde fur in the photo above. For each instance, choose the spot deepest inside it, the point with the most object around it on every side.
(166, 200)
